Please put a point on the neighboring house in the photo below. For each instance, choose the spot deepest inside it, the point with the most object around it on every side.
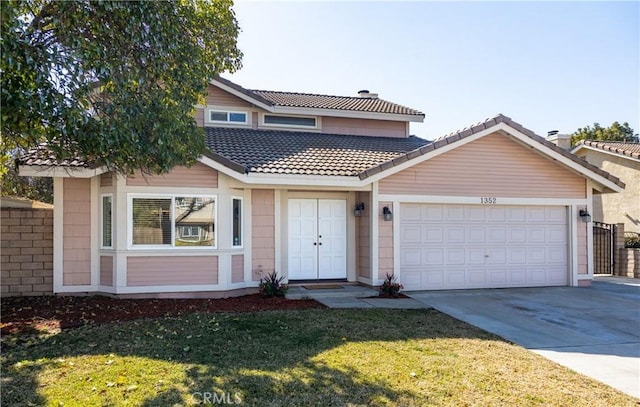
(623, 161)
(322, 187)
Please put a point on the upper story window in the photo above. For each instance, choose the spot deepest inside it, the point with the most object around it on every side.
(309, 122)
(227, 116)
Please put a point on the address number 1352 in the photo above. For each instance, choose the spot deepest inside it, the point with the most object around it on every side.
(488, 200)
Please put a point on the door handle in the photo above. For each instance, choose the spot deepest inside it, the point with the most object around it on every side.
(315, 244)
(320, 244)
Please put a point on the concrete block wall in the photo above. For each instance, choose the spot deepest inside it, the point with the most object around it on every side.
(26, 251)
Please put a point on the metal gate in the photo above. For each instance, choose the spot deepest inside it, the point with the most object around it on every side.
(604, 235)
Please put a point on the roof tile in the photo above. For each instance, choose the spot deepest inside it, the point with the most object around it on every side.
(290, 152)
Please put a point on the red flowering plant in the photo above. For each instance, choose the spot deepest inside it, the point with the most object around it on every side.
(390, 287)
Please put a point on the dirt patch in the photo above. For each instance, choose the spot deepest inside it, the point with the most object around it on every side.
(50, 313)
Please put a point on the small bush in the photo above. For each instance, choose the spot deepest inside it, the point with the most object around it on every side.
(390, 287)
(271, 285)
(632, 240)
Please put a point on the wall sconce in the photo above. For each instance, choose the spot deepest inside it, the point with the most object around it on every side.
(357, 210)
(584, 214)
(387, 214)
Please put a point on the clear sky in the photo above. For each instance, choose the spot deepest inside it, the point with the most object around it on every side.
(547, 65)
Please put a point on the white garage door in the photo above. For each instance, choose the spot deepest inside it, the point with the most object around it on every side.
(475, 246)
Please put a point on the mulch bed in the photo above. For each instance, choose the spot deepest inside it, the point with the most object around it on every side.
(49, 313)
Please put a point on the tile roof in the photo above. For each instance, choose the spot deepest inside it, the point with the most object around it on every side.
(483, 125)
(288, 152)
(314, 101)
(628, 149)
(352, 103)
(42, 156)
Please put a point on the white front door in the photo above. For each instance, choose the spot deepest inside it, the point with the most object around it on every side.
(317, 239)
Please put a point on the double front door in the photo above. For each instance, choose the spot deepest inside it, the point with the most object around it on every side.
(317, 239)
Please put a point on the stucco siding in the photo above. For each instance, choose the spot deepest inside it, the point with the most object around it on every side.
(363, 236)
(106, 179)
(218, 97)
(199, 175)
(76, 231)
(164, 270)
(494, 165)
(364, 127)
(581, 245)
(106, 270)
(622, 207)
(262, 232)
(385, 244)
(237, 268)
(199, 116)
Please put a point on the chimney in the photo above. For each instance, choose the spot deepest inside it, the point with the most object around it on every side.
(366, 94)
(561, 140)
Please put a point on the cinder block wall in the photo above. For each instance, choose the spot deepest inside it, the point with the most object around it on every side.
(26, 251)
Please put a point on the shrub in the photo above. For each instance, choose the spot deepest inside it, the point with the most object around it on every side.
(271, 285)
(390, 287)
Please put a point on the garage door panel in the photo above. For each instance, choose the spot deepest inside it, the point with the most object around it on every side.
(517, 255)
(433, 234)
(536, 234)
(431, 213)
(496, 255)
(475, 256)
(455, 234)
(517, 234)
(411, 235)
(411, 213)
(496, 234)
(516, 214)
(475, 246)
(411, 257)
(455, 256)
(557, 214)
(476, 234)
(433, 257)
(455, 278)
(497, 214)
(556, 234)
(454, 214)
(475, 213)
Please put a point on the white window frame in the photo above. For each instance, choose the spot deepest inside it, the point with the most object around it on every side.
(212, 109)
(293, 126)
(239, 246)
(172, 246)
(102, 196)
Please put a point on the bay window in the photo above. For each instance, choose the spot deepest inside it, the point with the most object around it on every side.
(172, 221)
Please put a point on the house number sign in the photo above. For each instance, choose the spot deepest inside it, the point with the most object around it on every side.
(488, 200)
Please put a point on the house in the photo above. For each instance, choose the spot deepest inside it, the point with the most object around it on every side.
(321, 187)
(622, 160)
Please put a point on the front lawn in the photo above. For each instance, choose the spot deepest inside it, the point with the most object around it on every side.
(323, 357)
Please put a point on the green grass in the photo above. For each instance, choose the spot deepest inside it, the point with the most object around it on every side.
(322, 357)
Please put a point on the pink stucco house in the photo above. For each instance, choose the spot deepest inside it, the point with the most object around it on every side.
(323, 187)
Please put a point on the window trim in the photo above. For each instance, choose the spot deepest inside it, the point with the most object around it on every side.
(172, 246)
(292, 126)
(102, 228)
(241, 227)
(211, 109)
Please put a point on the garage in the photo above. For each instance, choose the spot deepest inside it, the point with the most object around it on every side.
(450, 246)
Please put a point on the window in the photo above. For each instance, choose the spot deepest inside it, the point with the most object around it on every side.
(173, 221)
(223, 116)
(237, 222)
(289, 121)
(107, 223)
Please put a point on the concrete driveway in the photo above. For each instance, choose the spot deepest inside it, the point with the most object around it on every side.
(594, 330)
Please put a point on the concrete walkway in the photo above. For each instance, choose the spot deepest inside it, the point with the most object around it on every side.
(353, 296)
(594, 331)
